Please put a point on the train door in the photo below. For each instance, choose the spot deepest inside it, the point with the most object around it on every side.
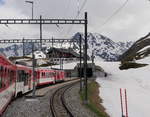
(20, 82)
(53, 76)
(26, 79)
(38, 77)
(1, 78)
(30, 82)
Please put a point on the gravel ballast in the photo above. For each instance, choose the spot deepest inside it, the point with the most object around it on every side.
(40, 107)
(75, 104)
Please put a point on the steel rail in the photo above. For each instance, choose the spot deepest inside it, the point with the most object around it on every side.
(67, 109)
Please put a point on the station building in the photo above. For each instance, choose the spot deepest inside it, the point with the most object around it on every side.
(62, 55)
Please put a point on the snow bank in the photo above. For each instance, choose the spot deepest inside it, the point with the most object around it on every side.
(137, 83)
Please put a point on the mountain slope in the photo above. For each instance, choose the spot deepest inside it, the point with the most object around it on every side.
(102, 47)
(17, 50)
(138, 50)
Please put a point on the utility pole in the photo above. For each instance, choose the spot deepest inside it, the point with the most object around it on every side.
(40, 32)
(85, 62)
(33, 69)
(80, 70)
(52, 42)
(62, 64)
(31, 2)
(93, 65)
(52, 50)
(60, 59)
(23, 47)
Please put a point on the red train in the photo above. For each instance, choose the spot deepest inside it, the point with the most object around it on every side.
(17, 79)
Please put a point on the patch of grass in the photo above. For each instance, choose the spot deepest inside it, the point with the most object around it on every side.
(46, 65)
(94, 100)
(128, 65)
(19, 57)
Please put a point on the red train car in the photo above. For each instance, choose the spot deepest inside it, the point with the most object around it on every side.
(7, 82)
(24, 80)
(18, 79)
(59, 75)
(45, 76)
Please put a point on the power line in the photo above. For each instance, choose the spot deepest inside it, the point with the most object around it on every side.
(116, 12)
(78, 6)
(78, 13)
(67, 8)
(84, 3)
(59, 28)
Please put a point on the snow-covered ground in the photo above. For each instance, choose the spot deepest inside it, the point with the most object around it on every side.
(135, 81)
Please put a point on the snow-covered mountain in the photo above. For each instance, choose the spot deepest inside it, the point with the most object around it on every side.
(17, 49)
(13, 50)
(102, 47)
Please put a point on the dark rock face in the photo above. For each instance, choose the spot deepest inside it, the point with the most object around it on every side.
(138, 50)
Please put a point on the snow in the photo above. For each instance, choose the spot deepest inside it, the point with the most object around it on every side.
(135, 81)
(145, 60)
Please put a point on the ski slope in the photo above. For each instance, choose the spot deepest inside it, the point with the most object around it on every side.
(135, 81)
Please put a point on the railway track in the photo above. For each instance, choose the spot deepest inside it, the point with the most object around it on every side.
(57, 102)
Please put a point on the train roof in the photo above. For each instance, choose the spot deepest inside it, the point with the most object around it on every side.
(5, 61)
(24, 67)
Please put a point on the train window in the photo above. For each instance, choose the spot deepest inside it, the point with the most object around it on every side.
(0, 82)
(35, 74)
(5, 70)
(45, 74)
(11, 76)
(26, 76)
(17, 75)
(4, 79)
(1, 68)
(1, 71)
(49, 75)
(42, 74)
(7, 76)
(54, 74)
(20, 75)
(1, 77)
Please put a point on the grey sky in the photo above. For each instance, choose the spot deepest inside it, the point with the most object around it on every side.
(131, 23)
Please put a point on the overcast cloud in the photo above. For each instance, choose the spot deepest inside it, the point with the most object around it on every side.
(131, 23)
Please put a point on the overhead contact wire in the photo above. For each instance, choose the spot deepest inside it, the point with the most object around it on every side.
(116, 12)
